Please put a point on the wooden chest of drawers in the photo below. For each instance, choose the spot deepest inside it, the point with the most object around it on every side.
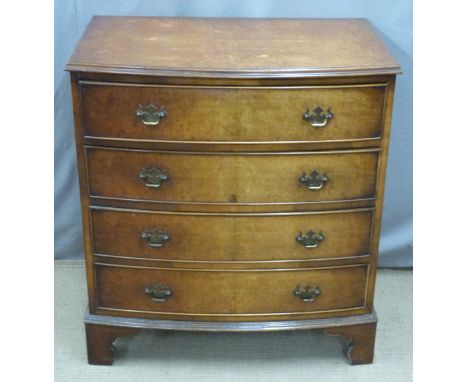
(232, 175)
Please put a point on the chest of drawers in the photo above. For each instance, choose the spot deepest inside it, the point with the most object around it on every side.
(231, 175)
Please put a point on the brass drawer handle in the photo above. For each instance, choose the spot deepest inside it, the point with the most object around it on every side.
(151, 115)
(155, 238)
(318, 117)
(159, 292)
(313, 181)
(308, 293)
(153, 177)
(310, 239)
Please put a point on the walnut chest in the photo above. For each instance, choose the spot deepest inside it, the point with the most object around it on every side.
(231, 175)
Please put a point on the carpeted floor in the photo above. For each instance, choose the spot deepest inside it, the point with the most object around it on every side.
(281, 356)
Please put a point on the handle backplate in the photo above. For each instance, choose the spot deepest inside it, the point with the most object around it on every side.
(151, 115)
(310, 239)
(153, 177)
(155, 238)
(308, 293)
(314, 180)
(159, 292)
(318, 117)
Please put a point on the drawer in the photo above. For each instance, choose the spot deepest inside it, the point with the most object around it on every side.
(229, 237)
(229, 294)
(232, 114)
(232, 178)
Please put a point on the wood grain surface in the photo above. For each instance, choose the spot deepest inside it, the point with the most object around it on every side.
(217, 238)
(227, 178)
(224, 294)
(232, 114)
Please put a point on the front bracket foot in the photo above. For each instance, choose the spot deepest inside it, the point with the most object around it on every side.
(100, 339)
(359, 342)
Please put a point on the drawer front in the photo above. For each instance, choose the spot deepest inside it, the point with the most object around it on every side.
(213, 238)
(230, 293)
(214, 114)
(231, 179)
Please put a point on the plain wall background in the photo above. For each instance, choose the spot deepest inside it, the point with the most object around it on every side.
(391, 18)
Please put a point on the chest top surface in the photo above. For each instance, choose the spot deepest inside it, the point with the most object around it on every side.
(234, 47)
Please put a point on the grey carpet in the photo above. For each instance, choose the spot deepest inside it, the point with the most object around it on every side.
(281, 356)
